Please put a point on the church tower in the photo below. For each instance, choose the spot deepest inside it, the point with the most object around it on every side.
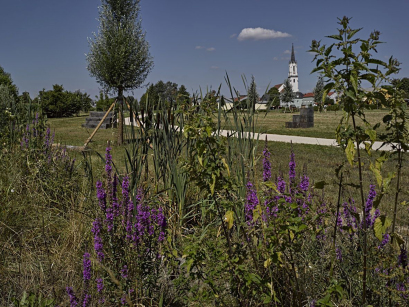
(293, 73)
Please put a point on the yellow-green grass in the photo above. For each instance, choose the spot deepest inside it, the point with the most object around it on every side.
(325, 123)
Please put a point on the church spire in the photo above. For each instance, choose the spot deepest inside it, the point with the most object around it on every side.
(293, 55)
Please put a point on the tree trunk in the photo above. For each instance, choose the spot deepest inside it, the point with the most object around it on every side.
(120, 117)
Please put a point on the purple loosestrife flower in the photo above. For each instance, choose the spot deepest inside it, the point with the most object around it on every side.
(266, 164)
(162, 225)
(98, 246)
(87, 300)
(100, 284)
(101, 195)
(73, 298)
(403, 258)
(86, 264)
(369, 204)
(124, 272)
(291, 172)
(339, 221)
(115, 204)
(251, 203)
(305, 183)
(109, 219)
(338, 253)
(385, 240)
(125, 198)
(281, 185)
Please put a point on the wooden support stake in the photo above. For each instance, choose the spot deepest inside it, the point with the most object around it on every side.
(99, 125)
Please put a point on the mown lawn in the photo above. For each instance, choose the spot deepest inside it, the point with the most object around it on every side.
(325, 123)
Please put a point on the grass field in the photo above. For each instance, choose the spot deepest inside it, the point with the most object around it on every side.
(320, 161)
(325, 123)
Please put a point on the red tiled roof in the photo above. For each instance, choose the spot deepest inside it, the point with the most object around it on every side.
(240, 98)
(277, 86)
(306, 95)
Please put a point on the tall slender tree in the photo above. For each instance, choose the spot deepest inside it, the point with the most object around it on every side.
(252, 95)
(119, 55)
(318, 92)
(287, 95)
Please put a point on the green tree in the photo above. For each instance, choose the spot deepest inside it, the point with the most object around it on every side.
(402, 84)
(24, 98)
(183, 96)
(252, 95)
(273, 97)
(5, 79)
(318, 92)
(287, 96)
(119, 55)
(60, 103)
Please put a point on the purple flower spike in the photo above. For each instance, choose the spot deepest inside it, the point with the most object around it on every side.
(124, 272)
(98, 246)
(281, 185)
(338, 254)
(369, 205)
(101, 195)
(73, 298)
(266, 164)
(86, 263)
(100, 284)
(305, 183)
(385, 240)
(403, 258)
(251, 202)
(292, 165)
(87, 300)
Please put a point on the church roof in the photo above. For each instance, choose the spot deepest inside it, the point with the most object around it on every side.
(277, 86)
(293, 55)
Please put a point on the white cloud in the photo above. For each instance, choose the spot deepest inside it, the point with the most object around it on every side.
(199, 47)
(260, 33)
(211, 49)
(275, 58)
(214, 67)
(233, 35)
(287, 52)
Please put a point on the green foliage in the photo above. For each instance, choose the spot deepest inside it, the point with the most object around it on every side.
(119, 55)
(31, 300)
(318, 93)
(166, 94)
(274, 97)
(252, 95)
(5, 79)
(104, 102)
(60, 103)
(287, 96)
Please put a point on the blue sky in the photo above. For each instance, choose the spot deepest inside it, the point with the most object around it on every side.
(193, 42)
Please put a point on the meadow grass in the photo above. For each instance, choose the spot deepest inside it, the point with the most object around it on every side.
(325, 123)
(319, 161)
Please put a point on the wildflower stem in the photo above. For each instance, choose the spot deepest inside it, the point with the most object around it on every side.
(335, 227)
(397, 190)
(364, 212)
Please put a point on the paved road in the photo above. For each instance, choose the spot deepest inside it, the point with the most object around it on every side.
(298, 139)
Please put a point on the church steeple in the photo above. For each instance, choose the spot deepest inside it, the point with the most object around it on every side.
(293, 55)
(292, 71)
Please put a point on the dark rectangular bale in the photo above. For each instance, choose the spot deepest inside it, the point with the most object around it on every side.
(296, 118)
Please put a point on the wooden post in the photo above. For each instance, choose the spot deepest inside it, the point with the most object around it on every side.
(99, 125)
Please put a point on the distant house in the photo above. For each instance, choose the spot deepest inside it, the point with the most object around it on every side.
(308, 99)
